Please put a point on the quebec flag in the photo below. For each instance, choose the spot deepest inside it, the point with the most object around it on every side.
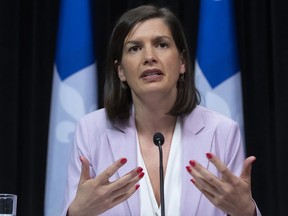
(217, 69)
(74, 93)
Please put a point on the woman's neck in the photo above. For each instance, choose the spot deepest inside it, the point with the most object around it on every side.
(150, 121)
(151, 114)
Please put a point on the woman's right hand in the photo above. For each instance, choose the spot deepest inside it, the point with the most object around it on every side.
(97, 195)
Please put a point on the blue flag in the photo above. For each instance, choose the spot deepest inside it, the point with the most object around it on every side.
(74, 93)
(217, 67)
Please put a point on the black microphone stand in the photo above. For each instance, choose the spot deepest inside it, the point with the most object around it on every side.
(158, 140)
(162, 201)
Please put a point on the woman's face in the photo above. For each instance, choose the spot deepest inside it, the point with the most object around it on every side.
(151, 63)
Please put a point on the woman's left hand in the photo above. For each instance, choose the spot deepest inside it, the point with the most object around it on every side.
(229, 193)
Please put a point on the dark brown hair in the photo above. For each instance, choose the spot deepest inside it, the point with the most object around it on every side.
(118, 99)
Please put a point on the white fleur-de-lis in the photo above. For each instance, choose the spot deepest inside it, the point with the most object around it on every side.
(72, 103)
(76, 96)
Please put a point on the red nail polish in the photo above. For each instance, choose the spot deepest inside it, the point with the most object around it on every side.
(192, 163)
(193, 181)
(188, 169)
(137, 186)
(123, 160)
(141, 175)
(209, 155)
(139, 170)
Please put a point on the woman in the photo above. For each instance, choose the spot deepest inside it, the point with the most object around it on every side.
(150, 87)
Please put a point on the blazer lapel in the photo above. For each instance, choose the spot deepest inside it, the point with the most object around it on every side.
(122, 140)
(196, 142)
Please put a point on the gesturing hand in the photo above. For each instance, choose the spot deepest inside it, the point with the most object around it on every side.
(229, 193)
(97, 195)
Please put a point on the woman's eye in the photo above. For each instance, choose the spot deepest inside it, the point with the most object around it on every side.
(162, 45)
(134, 49)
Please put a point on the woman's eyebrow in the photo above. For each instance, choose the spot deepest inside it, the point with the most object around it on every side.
(155, 39)
(132, 42)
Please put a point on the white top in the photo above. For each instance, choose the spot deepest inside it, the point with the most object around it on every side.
(172, 181)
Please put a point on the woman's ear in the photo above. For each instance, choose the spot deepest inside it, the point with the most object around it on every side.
(183, 63)
(120, 71)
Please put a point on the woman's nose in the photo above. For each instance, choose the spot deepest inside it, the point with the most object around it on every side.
(149, 56)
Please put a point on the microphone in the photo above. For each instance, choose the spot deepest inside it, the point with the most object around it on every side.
(158, 140)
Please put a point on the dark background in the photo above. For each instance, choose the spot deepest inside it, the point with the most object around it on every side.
(27, 43)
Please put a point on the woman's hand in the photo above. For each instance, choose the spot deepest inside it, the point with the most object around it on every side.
(229, 193)
(97, 195)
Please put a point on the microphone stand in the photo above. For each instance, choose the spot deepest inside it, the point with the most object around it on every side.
(158, 140)
(161, 179)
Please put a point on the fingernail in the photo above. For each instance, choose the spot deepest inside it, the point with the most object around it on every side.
(209, 155)
(137, 186)
(141, 175)
(81, 159)
(193, 181)
(192, 163)
(123, 160)
(188, 169)
(139, 170)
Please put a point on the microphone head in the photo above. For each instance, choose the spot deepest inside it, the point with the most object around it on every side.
(158, 139)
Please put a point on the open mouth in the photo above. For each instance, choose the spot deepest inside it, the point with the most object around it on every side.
(151, 72)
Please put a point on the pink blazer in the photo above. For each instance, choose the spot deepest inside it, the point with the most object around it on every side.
(102, 143)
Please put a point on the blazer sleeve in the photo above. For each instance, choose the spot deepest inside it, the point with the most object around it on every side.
(79, 148)
(236, 154)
